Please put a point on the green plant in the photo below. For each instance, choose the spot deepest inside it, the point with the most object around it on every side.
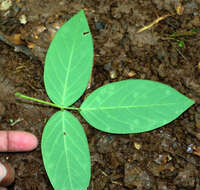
(179, 37)
(129, 106)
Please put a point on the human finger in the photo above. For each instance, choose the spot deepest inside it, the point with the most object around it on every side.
(17, 141)
(7, 174)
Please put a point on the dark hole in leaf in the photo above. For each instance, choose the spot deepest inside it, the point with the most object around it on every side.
(64, 133)
(84, 33)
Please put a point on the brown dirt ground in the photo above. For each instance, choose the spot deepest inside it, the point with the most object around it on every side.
(164, 159)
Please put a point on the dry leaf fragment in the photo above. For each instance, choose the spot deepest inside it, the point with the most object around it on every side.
(30, 45)
(197, 151)
(15, 39)
(198, 65)
(179, 9)
(131, 74)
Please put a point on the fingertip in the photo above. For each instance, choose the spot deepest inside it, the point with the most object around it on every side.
(34, 142)
(21, 141)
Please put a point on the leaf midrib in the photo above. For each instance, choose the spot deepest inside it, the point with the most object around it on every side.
(69, 65)
(65, 147)
(136, 106)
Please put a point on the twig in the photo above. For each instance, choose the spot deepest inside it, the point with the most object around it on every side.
(17, 121)
(153, 23)
(181, 54)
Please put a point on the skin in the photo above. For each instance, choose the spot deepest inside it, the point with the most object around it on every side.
(17, 141)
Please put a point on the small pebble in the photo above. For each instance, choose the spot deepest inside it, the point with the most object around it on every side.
(113, 74)
(107, 66)
(131, 74)
(190, 148)
(99, 26)
(5, 5)
(23, 19)
(137, 145)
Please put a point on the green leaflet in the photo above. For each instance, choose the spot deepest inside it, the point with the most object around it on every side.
(133, 106)
(69, 60)
(65, 152)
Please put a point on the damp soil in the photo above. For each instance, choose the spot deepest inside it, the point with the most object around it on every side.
(167, 158)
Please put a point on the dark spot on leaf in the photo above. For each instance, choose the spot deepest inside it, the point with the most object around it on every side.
(64, 133)
(85, 33)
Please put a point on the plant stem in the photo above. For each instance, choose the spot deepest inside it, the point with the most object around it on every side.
(17, 94)
(176, 35)
(183, 34)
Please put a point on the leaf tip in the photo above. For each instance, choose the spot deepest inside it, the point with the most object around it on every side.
(82, 12)
(192, 102)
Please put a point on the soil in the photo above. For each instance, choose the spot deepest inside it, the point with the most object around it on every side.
(167, 158)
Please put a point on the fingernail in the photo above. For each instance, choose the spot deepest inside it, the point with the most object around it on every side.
(7, 174)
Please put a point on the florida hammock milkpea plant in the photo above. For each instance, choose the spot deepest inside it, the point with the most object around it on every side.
(129, 106)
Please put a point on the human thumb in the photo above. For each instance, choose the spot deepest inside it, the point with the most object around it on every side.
(7, 174)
